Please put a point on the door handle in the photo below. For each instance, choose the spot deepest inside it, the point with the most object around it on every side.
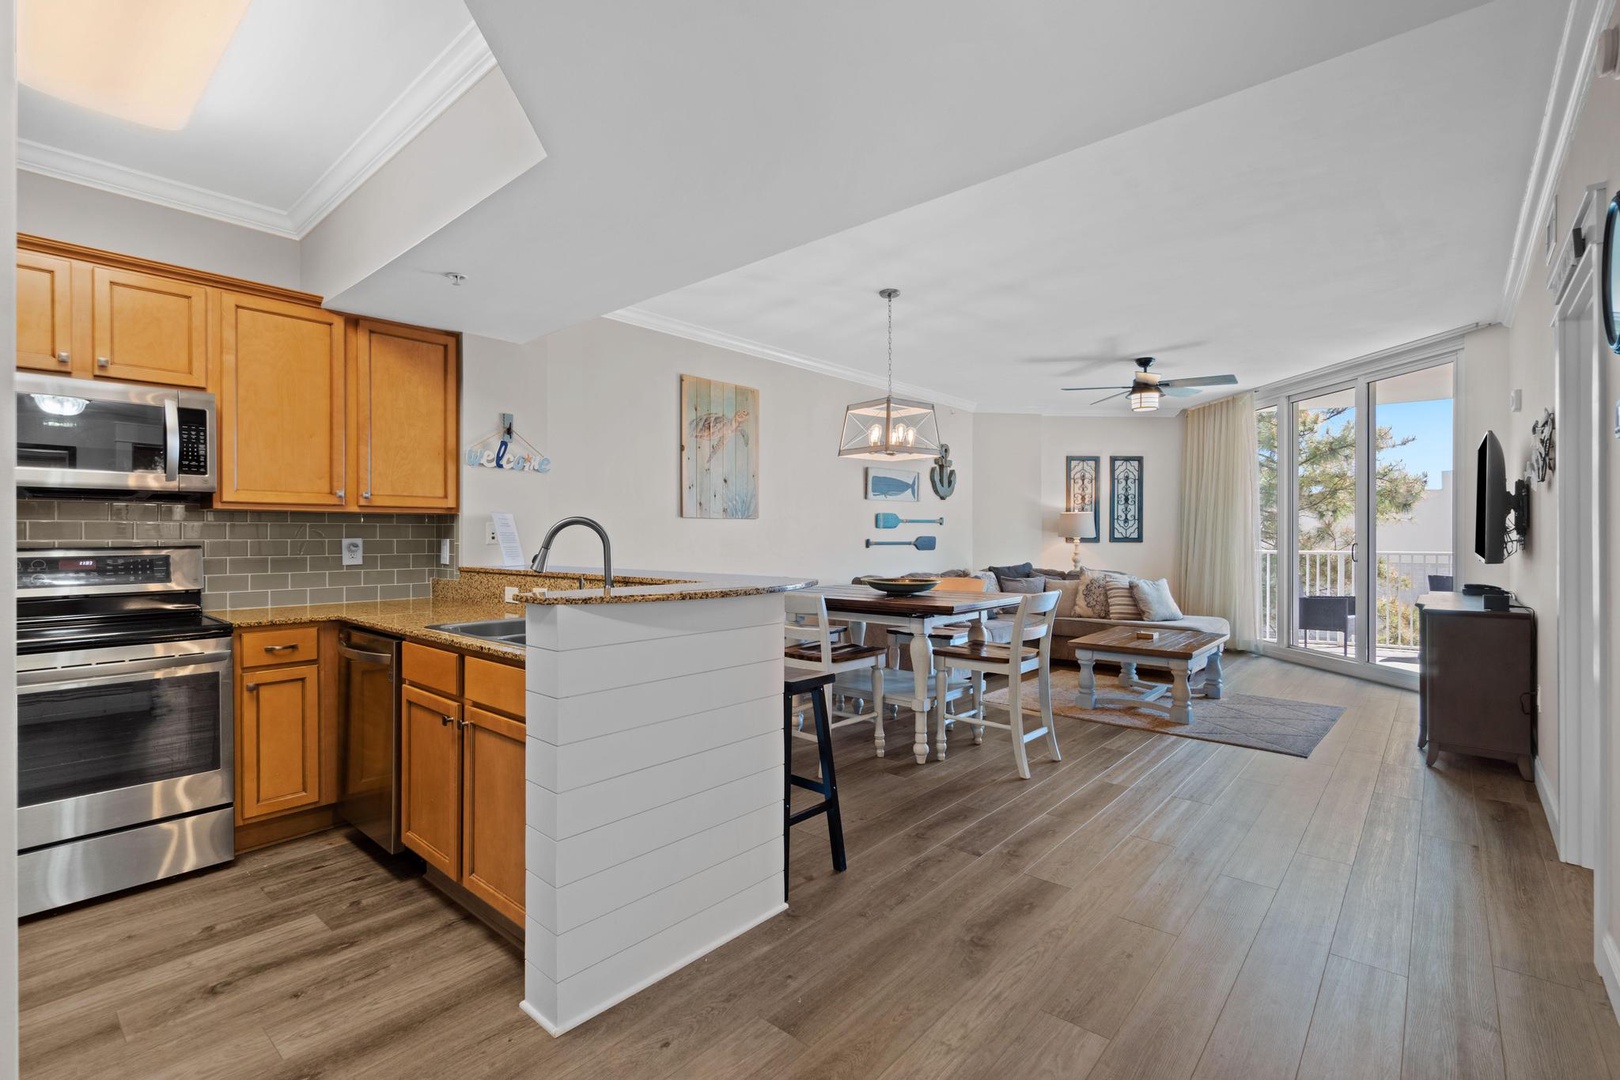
(1354, 548)
(171, 449)
(279, 648)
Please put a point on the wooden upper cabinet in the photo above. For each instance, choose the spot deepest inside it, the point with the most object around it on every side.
(430, 777)
(149, 329)
(282, 404)
(407, 404)
(44, 312)
(281, 743)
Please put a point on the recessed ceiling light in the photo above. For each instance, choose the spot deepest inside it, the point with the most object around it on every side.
(147, 62)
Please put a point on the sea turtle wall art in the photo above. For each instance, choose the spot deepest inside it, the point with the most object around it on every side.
(719, 449)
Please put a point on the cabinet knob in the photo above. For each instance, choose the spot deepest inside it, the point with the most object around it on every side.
(63, 358)
(250, 686)
(338, 493)
(102, 361)
(447, 720)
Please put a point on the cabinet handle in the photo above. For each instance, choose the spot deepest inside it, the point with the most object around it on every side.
(102, 361)
(63, 358)
(447, 720)
(338, 493)
(250, 686)
(466, 723)
(279, 648)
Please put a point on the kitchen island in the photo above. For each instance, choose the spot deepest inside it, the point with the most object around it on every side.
(654, 780)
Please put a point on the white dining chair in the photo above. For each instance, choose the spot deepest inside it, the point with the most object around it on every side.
(810, 646)
(1031, 650)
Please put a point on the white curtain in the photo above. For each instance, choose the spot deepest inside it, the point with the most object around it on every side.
(1220, 515)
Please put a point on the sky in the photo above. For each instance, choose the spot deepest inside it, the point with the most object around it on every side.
(1432, 451)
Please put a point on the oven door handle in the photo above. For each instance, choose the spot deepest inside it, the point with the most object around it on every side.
(171, 448)
(38, 682)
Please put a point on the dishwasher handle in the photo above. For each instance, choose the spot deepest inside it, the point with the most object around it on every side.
(362, 657)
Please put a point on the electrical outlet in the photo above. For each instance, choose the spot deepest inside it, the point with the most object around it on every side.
(509, 594)
(354, 551)
(489, 529)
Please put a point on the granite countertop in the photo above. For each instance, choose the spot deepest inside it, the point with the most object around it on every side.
(650, 586)
(408, 619)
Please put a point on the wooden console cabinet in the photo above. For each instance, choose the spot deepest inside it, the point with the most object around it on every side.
(1477, 680)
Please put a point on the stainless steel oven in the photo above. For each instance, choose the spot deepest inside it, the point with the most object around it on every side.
(124, 723)
(95, 436)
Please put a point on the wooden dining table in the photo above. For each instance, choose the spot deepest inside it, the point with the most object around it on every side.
(916, 615)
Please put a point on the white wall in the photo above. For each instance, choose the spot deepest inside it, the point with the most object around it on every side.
(499, 377)
(612, 394)
(1020, 474)
(84, 215)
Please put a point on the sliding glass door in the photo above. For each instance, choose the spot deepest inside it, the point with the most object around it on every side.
(1357, 506)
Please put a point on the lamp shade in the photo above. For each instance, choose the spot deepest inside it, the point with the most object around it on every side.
(1145, 397)
(1078, 524)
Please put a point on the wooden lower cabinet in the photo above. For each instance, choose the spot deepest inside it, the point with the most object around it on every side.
(280, 751)
(430, 777)
(462, 766)
(492, 808)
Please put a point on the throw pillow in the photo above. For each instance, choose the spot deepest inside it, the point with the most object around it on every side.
(1005, 574)
(1122, 603)
(1070, 591)
(1155, 600)
(1026, 585)
(1091, 599)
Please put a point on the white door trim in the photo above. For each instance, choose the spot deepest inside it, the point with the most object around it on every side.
(1580, 625)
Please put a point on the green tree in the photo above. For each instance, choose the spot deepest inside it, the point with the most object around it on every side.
(1325, 457)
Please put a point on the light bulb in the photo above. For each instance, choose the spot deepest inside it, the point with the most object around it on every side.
(875, 435)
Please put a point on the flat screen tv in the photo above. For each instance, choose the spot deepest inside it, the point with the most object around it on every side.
(1494, 503)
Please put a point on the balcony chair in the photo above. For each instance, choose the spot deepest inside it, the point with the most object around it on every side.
(1328, 614)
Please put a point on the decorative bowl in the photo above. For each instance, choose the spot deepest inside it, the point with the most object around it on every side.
(902, 586)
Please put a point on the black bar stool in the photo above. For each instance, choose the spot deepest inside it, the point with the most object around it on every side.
(827, 787)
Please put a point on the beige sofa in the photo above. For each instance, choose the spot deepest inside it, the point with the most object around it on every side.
(1067, 627)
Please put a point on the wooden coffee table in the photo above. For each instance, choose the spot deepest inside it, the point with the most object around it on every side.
(1184, 653)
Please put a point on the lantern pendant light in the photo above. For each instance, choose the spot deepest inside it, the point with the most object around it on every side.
(890, 428)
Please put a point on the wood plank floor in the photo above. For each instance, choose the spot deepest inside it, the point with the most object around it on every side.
(1148, 907)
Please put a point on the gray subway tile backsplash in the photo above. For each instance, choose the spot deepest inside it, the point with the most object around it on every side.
(257, 558)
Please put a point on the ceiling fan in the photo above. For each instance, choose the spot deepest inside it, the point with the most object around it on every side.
(1147, 388)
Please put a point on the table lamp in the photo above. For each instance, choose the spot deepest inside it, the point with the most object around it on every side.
(1078, 525)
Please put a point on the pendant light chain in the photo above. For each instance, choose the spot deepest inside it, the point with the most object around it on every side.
(891, 344)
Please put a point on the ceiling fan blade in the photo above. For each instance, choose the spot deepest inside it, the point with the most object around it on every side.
(1110, 397)
(1096, 388)
(1203, 380)
(1177, 391)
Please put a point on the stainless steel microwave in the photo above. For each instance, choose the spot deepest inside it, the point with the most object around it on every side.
(89, 435)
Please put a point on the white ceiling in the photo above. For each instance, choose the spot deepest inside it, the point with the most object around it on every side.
(686, 140)
(1358, 204)
(309, 99)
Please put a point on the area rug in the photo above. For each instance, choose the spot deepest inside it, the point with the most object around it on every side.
(1275, 724)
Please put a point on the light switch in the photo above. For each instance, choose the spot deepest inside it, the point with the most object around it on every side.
(354, 551)
(444, 552)
(1515, 400)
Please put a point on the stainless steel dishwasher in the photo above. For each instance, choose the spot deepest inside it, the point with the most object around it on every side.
(370, 689)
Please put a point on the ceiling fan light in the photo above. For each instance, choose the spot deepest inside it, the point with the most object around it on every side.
(1145, 398)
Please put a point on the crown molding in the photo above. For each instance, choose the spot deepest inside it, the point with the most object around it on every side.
(132, 183)
(452, 73)
(648, 320)
(1572, 74)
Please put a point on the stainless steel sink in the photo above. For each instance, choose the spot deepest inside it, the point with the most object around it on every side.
(503, 631)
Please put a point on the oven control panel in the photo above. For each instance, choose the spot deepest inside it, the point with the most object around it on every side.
(53, 570)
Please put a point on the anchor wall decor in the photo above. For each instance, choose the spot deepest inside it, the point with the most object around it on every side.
(942, 476)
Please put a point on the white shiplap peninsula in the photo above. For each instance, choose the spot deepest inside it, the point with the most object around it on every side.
(654, 780)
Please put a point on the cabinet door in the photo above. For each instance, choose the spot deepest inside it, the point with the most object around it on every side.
(149, 329)
(430, 778)
(407, 400)
(492, 807)
(44, 312)
(281, 404)
(280, 752)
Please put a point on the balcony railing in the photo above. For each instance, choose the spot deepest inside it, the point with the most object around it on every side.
(1402, 577)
